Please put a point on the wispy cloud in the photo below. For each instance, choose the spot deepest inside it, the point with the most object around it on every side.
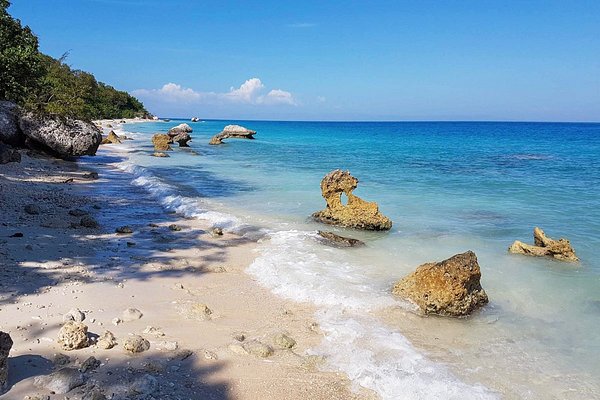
(301, 25)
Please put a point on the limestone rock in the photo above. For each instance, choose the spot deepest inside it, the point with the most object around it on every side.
(65, 138)
(451, 287)
(5, 346)
(181, 128)
(136, 344)
(73, 335)
(331, 239)
(74, 314)
(10, 133)
(131, 314)
(8, 154)
(284, 341)
(182, 139)
(258, 349)
(232, 131)
(107, 341)
(112, 138)
(162, 142)
(545, 247)
(61, 381)
(197, 311)
(358, 214)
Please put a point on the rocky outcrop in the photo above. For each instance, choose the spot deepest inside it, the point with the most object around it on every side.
(64, 138)
(545, 247)
(10, 133)
(181, 128)
(112, 138)
(451, 287)
(162, 142)
(232, 131)
(8, 154)
(358, 214)
(182, 139)
(331, 239)
(5, 346)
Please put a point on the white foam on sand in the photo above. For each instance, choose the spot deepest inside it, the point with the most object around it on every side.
(293, 265)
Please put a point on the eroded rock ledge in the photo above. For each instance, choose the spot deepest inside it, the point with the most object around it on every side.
(545, 247)
(358, 214)
(232, 131)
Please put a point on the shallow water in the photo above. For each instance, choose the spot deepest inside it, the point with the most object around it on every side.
(448, 187)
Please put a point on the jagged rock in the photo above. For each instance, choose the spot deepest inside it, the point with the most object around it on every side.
(331, 239)
(358, 214)
(5, 346)
(136, 344)
(232, 131)
(8, 154)
(107, 340)
(545, 247)
(65, 138)
(182, 139)
(179, 129)
(74, 314)
(284, 341)
(112, 138)
(451, 287)
(10, 133)
(73, 335)
(88, 222)
(123, 230)
(159, 154)
(32, 209)
(162, 142)
(258, 349)
(60, 382)
(90, 364)
(131, 314)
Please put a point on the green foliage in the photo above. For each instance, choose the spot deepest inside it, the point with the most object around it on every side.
(46, 85)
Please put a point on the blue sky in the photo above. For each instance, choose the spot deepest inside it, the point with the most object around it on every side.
(330, 60)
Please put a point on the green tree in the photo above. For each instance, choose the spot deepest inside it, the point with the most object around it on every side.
(20, 68)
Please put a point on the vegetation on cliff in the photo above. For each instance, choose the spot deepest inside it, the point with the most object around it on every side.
(46, 85)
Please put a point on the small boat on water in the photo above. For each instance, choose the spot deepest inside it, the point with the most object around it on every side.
(195, 119)
(166, 120)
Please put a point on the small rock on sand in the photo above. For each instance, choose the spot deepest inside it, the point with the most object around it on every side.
(284, 341)
(73, 335)
(150, 330)
(60, 360)
(61, 381)
(107, 340)
(197, 311)
(131, 314)
(88, 222)
(136, 344)
(124, 230)
(258, 349)
(75, 314)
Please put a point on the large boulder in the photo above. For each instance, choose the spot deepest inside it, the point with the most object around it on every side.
(10, 133)
(451, 287)
(65, 138)
(545, 247)
(232, 131)
(162, 142)
(358, 214)
(181, 128)
(182, 139)
(5, 346)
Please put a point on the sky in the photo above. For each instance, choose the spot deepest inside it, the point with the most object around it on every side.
(335, 60)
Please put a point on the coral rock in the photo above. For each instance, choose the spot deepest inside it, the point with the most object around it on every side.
(162, 142)
(73, 335)
(545, 247)
(136, 344)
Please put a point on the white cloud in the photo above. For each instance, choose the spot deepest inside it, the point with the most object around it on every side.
(170, 92)
(278, 96)
(248, 92)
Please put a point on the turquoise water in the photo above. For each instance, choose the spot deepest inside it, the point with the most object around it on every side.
(448, 187)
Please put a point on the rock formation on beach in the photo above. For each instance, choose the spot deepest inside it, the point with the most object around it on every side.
(182, 139)
(162, 142)
(545, 247)
(5, 346)
(332, 239)
(181, 128)
(232, 131)
(9, 124)
(358, 214)
(112, 138)
(451, 287)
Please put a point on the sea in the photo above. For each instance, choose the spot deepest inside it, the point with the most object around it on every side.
(448, 187)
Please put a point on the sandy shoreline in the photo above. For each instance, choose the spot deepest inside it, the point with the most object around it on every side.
(58, 265)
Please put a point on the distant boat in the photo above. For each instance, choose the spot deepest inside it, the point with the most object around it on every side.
(195, 119)
(166, 119)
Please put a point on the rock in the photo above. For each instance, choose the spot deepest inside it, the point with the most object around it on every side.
(237, 348)
(239, 336)
(32, 209)
(451, 287)
(182, 139)
(5, 346)
(74, 314)
(216, 232)
(150, 330)
(232, 131)
(77, 212)
(16, 235)
(60, 382)
(258, 349)
(160, 155)
(136, 344)
(131, 314)
(169, 346)
(107, 340)
(65, 138)
(60, 360)
(175, 228)
(73, 335)
(88, 222)
(124, 230)
(90, 364)
(545, 247)
(8, 154)
(209, 355)
(162, 142)
(91, 175)
(284, 341)
(10, 133)
(331, 239)
(197, 311)
(181, 128)
(116, 321)
(358, 214)
(112, 138)
(94, 393)
(144, 385)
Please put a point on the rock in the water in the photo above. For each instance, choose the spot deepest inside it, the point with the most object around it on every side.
(107, 340)
(32, 209)
(136, 344)
(160, 154)
(179, 129)
(74, 314)
(73, 335)
(182, 139)
(451, 287)
(124, 230)
(358, 214)
(284, 341)
(131, 314)
(65, 138)
(162, 142)
(112, 138)
(5, 346)
(331, 239)
(10, 133)
(216, 232)
(8, 154)
(60, 382)
(232, 131)
(174, 227)
(88, 222)
(545, 247)
(258, 349)
(90, 175)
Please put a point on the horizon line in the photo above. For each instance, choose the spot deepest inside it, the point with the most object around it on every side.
(391, 120)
